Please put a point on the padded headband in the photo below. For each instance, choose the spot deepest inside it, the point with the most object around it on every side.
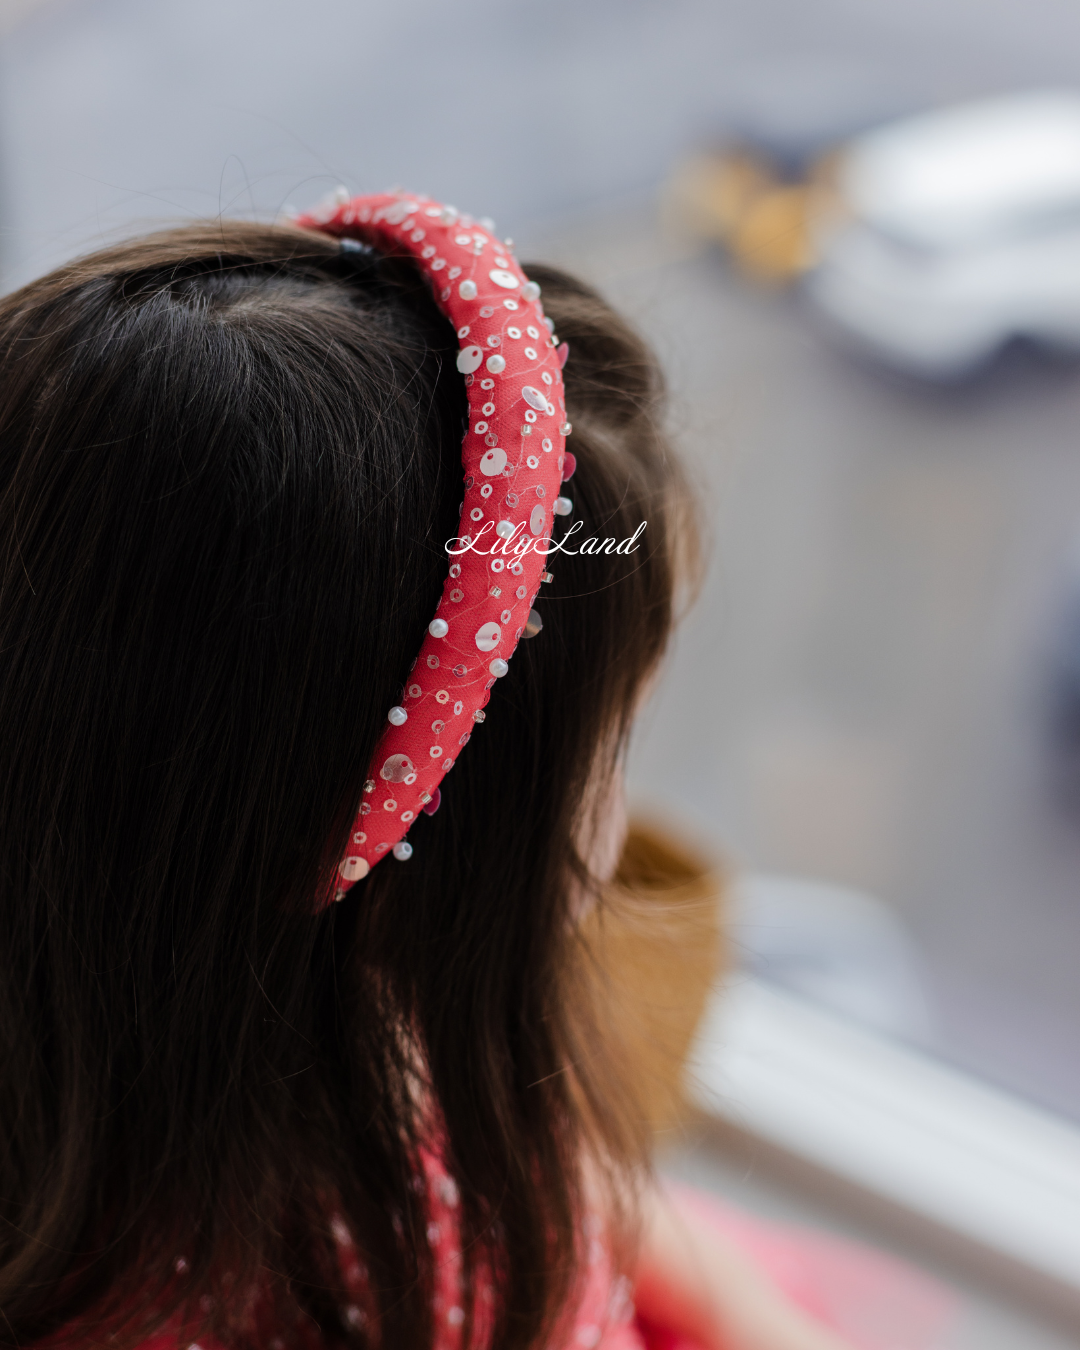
(514, 462)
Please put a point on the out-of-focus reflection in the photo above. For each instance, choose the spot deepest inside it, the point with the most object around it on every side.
(930, 242)
(962, 232)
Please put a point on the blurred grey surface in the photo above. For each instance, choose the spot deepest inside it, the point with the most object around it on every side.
(114, 110)
(857, 699)
(841, 948)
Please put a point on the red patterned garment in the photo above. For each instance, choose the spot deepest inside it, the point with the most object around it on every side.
(603, 1319)
(871, 1300)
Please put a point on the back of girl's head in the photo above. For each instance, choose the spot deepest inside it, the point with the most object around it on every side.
(229, 461)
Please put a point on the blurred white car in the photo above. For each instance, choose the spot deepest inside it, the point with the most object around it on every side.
(954, 232)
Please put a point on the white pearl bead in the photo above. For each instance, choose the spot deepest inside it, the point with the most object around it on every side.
(438, 628)
(397, 716)
(498, 668)
(565, 429)
(496, 364)
(504, 529)
(530, 291)
(467, 290)
(563, 506)
(403, 851)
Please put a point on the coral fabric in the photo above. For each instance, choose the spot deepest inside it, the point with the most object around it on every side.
(512, 457)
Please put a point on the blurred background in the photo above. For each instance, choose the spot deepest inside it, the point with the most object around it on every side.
(852, 230)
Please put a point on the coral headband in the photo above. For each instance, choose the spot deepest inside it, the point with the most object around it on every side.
(513, 458)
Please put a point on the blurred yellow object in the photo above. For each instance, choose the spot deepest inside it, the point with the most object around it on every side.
(658, 944)
(737, 200)
(771, 242)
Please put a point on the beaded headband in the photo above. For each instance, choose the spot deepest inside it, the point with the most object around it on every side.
(514, 461)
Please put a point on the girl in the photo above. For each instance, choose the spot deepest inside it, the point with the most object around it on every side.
(235, 1113)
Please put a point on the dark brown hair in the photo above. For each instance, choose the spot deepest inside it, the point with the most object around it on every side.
(229, 460)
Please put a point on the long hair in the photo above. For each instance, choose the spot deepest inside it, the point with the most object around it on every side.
(229, 460)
